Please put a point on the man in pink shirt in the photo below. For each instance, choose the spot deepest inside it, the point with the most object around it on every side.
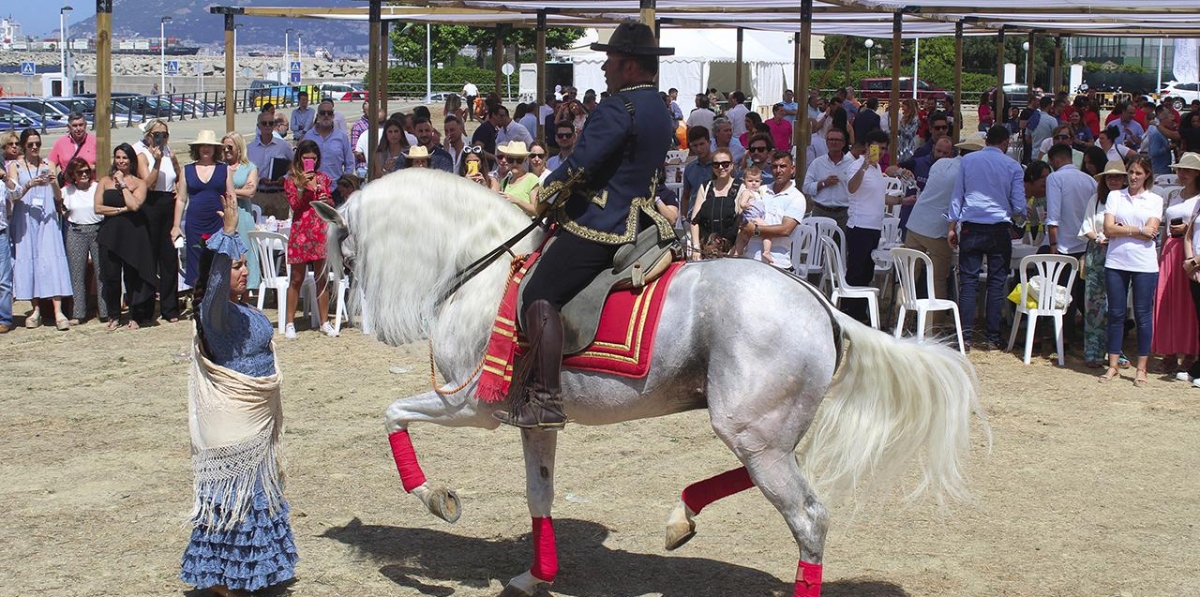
(77, 143)
(781, 129)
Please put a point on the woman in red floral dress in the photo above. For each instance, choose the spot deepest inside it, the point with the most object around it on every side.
(306, 244)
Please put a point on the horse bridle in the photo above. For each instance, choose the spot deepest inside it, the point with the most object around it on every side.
(465, 274)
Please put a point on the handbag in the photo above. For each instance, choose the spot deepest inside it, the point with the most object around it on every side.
(62, 172)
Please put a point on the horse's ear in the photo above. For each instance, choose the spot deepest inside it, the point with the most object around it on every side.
(329, 213)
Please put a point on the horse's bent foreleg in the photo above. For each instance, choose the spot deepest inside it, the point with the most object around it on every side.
(680, 526)
(540, 447)
(432, 408)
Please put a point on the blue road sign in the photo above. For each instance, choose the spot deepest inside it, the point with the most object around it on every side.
(172, 68)
(294, 68)
(28, 69)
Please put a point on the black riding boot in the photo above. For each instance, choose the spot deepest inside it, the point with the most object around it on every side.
(542, 408)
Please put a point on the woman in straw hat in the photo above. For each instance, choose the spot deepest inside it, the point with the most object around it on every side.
(241, 539)
(1131, 219)
(207, 179)
(520, 187)
(1178, 337)
(417, 157)
(1095, 313)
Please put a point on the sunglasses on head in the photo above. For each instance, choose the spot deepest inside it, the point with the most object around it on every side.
(475, 149)
(722, 164)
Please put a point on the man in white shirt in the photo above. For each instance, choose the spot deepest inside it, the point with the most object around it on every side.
(506, 129)
(784, 208)
(1068, 191)
(826, 178)
(470, 91)
(736, 113)
(701, 115)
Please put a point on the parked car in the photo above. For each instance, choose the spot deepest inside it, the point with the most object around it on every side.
(881, 89)
(1015, 95)
(15, 118)
(343, 92)
(1182, 94)
(38, 106)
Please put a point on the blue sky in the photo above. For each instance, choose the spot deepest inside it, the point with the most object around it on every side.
(38, 19)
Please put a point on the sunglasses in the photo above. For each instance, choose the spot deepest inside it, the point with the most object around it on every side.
(722, 164)
(323, 113)
(228, 147)
(758, 148)
(32, 145)
(1062, 136)
(512, 160)
(540, 156)
(941, 127)
(475, 149)
(266, 123)
(564, 135)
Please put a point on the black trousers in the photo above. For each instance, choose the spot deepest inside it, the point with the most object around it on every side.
(566, 267)
(141, 293)
(159, 209)
(860, 267)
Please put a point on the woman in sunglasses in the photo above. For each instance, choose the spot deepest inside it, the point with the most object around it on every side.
(476, 168)
(393, 144)
(716, 208)
(163, 210)
(537, 161)
(40, 272)
(83, 224)
(519, 186)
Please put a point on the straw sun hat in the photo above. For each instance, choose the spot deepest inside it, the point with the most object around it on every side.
(515, 149)
(206, 137)
(1189, 160)
(417, 152)
(1113, 167)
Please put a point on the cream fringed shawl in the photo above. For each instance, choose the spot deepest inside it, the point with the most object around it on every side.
(236, 422)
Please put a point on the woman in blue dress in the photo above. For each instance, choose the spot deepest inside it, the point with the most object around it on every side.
(40, 271)
(207, 180)
(241, 539)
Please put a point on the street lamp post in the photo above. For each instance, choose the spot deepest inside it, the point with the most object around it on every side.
(1025, 46)
(286, 53)
(870, 43)
(300, 51)
(62, 46)
(235, 60)
(162, 53)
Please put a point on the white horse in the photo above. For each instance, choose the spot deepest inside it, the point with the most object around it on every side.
(755, 346)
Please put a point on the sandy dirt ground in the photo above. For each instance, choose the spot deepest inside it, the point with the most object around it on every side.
(1089, 489)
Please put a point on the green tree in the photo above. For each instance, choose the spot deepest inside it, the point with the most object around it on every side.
(447, 41)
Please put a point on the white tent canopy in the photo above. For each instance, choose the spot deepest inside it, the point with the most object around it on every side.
(768, 55)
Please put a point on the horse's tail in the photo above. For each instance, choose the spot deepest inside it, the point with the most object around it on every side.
(895, 402)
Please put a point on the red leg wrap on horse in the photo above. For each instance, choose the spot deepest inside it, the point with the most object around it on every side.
(808, 580)
(545, 554)
(411, 474)
(702, 493)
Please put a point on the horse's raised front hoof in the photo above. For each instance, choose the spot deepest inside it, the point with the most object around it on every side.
(444, 504)
(523, 585)
(679, 533)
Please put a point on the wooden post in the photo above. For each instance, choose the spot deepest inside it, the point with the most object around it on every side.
(801, 89)
(230, 114)
(1001, 115)
(1058, 74)
(958, 67)
(103, 85)
(385, 45)
(498, 59)
(374, 19)
(800, 129)
(894, 96)
(540, 133)
(737, 68)
(647, 12)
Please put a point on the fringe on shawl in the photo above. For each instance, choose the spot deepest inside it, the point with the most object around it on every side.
(225, 477)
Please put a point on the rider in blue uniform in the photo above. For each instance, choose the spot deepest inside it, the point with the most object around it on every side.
(603, 196)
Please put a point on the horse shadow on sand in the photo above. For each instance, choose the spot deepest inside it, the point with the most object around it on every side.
(419, 558)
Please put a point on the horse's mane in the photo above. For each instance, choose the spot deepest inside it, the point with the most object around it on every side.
(415, 229)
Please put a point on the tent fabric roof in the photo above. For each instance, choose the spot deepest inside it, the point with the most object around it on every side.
(873, 18)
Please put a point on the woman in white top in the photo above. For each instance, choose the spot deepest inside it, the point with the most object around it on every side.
(1095, 300)
(83, 223)
(163, 210)
(1178, 338)
(1107, 142)
(1131, 219)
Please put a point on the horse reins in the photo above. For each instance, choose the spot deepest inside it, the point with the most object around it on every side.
(465, 274)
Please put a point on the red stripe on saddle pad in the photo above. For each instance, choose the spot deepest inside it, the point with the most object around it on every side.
(624, 339)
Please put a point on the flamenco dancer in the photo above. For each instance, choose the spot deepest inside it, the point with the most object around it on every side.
(241, 540)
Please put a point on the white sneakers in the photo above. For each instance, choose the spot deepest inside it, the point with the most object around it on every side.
(289, 331)
(1182, 376)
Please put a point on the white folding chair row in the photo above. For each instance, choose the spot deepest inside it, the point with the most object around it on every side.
(1166, 180)
(257, 211)
(826, 228)
(835, 269)
(806, 257)
(905, 263)
(1048, 268)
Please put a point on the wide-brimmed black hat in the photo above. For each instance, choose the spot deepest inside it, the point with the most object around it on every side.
(635, 39)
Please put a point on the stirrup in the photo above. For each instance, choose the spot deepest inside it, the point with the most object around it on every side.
(535, 413)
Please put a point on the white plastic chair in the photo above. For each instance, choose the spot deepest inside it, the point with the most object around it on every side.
(826, 228)
(905, 263)
(835, 271)
(806, 259)
(1163, 180)
(271, 249)
(1048, 268)
(257, 212)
